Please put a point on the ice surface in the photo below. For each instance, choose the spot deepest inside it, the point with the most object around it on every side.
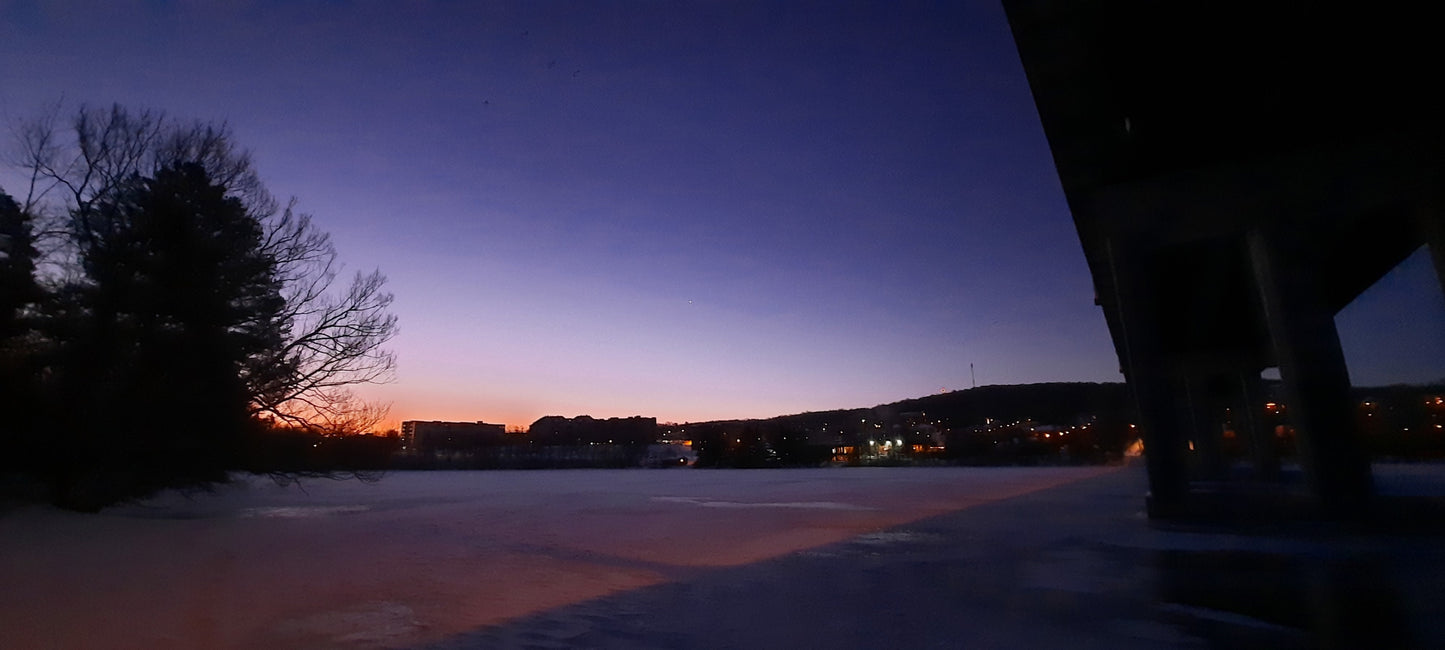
(422, 555)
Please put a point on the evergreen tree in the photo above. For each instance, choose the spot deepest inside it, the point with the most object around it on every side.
(19, 291)
(180, 299)
(20, 300)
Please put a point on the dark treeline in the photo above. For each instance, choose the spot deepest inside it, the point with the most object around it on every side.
(1053, 403)
(552, 442)
(988, 425)
(164, 321)
(1036, 424)
(1033, 424)
(586, 430)
(1402, 422)
(1399, 422)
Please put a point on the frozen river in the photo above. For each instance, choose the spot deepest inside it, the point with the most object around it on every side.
(419, 556)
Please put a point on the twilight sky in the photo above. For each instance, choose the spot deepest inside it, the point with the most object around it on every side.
(688, 211)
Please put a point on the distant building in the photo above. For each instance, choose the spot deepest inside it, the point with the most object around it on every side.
(583, 430)
(421, 436)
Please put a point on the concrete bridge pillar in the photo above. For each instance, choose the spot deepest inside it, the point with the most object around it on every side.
(1165, 449)
(1205, 430)
(1316, 379)
(1247, 403)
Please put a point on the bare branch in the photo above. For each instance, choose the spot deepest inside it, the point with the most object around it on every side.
(330, 339)
(335, 341)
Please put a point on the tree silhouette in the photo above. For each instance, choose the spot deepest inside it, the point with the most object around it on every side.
(334, 334)
(335, 340)
(189, 310)
(179, 298)
(19, 290)
(21, 298)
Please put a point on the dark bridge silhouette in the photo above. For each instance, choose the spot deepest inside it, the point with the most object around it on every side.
(1238, 173)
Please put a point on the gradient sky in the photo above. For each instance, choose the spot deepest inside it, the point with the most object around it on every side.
(696, 211)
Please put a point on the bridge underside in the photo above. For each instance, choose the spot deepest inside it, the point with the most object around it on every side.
(1238, 172)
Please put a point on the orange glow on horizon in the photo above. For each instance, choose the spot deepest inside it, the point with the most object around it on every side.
(449, 407)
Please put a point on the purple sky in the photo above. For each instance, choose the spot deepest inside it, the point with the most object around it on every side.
(691, 212)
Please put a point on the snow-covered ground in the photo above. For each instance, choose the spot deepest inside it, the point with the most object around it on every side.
(420, 556)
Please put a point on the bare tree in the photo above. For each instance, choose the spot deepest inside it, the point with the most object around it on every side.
(104, 148)
(71, 162)
(333, 339)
